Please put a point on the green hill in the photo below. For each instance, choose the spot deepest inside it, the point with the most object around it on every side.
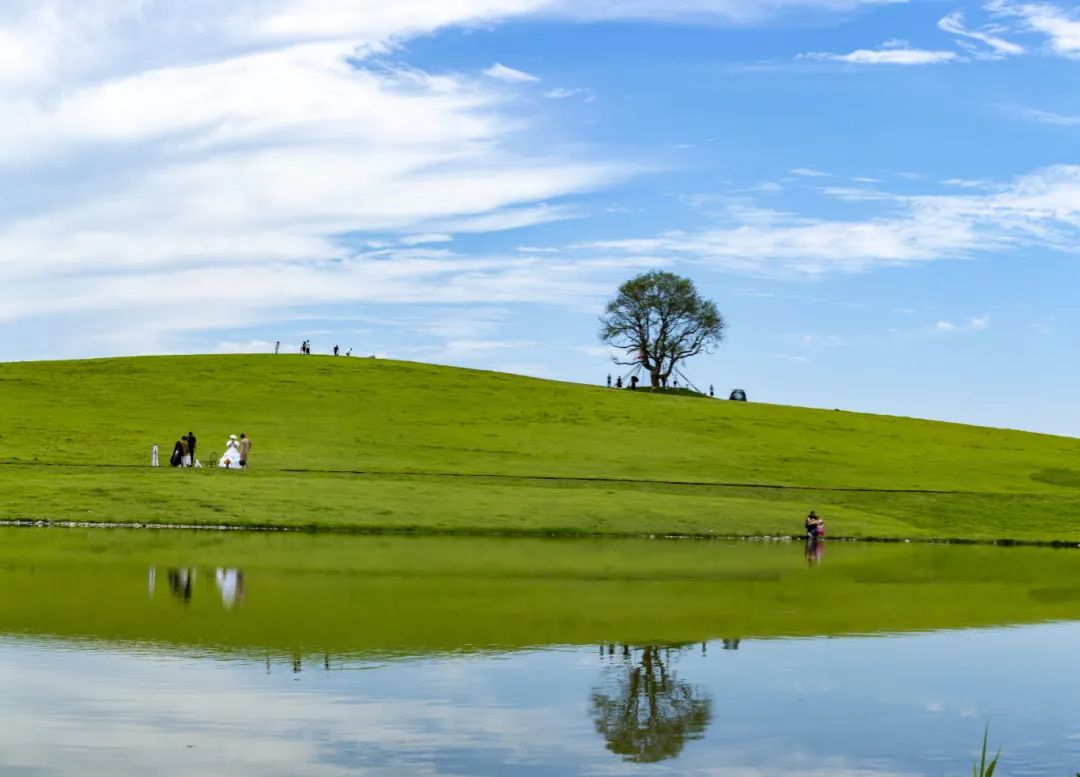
(365, 444)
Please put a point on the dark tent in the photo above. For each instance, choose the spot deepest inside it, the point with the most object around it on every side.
(738, 395)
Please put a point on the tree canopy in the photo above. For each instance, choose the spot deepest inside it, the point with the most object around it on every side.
(659, 319)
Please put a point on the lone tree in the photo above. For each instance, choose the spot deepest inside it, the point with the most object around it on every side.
(659, 319)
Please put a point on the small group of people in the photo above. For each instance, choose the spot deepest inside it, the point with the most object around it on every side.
(237, 453)
(815, 526)
(183, 454)
(236, 456)
(305, 348)
(633, 382)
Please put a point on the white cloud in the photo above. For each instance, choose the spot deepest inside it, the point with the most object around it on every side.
(886, 56)
(426, 239)
(1061, 27)
(974, 324)
(1040, 209)
(561, 93)
(1045, 117)
(740, 11)
(966, 183)
(226, 153)
(501, 72)
(954, 24)
(807, 172)
(236, 155)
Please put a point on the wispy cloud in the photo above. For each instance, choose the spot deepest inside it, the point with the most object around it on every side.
(886, 56)
(501, 72)
(973, 324)
(807, 172)
(1044, 117)
(954, 24)
(1040, 209)
(967, 183)
(561, 93)
(251, 148)
(1059, 26)
(739, 11)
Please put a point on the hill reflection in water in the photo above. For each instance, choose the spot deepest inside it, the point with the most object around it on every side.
(173, 653)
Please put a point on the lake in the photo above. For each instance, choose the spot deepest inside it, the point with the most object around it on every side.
(178, 653)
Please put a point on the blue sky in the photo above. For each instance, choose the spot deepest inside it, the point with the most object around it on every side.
(882, 197)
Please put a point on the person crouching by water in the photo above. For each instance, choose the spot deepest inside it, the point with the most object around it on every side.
(815, 526)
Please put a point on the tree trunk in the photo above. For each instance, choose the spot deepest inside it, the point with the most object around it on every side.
(657, 380)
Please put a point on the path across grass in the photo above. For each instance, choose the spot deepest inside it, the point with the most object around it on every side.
(372, 445)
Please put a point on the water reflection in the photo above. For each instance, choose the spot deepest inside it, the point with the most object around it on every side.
(180, 583)
(229, 583)
(643, 709)
(848, 707)
(815, 551)
(330, 656)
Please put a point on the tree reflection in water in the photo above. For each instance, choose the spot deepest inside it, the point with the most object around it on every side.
(642, 708)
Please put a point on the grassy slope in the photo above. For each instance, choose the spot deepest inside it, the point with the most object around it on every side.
(385, 445)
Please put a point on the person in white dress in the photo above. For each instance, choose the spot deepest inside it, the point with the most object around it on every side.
(231, 458)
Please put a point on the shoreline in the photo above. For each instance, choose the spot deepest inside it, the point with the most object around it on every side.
(375, 531)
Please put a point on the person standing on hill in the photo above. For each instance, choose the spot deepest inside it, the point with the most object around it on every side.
(191, 448)
(335, 350)
(277, 346)
(245, 451)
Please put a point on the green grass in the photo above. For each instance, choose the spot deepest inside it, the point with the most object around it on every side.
(358, 444)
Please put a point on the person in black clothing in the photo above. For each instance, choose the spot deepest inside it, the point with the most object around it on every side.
(178, 454)
(633, 382)
(618, 382)
(191, 447)
(335, 350)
